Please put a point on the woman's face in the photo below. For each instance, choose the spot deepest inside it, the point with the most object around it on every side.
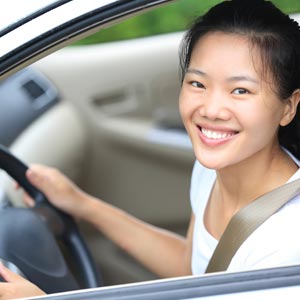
(230, 113)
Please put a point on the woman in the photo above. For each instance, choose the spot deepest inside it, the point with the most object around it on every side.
(239, 98)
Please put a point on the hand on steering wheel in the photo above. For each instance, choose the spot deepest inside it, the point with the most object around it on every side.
(28, 238)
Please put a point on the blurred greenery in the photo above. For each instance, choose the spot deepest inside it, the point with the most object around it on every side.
(172, 17)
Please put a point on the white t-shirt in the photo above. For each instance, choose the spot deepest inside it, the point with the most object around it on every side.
(275, 243)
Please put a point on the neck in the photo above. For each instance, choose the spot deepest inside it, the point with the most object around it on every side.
(240, 184)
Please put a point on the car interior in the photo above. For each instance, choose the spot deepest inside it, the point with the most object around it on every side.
(116, 133)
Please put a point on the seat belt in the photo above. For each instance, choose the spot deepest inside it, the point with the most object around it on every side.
(247, 220)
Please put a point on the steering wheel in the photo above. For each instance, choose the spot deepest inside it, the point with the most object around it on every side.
(38, 239)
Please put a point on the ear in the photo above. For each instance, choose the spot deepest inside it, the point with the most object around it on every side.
(290, 108)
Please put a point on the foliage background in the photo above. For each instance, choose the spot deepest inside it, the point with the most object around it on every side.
(168, 18)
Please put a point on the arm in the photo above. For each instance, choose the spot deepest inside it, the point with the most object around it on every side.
(163, 252)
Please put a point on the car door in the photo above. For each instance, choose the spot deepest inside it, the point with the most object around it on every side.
(260, 284)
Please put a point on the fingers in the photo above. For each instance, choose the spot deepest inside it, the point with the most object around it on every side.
(35, 174)
(8, 275)
(28, 200)
(42, 177)
(58, 188)
(16, 286)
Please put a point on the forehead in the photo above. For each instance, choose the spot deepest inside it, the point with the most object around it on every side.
(218, 52)
(221, 44)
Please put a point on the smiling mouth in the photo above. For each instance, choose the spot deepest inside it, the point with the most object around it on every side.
(216, 135)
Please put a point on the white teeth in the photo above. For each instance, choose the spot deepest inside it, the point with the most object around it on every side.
(215, 135)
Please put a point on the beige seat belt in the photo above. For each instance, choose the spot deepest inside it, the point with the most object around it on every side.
(245, 221)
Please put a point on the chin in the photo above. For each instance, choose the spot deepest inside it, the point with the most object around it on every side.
(218, 158)
(215, 160)
(214, 164)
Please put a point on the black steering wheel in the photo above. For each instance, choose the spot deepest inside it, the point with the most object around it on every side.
(38, 239)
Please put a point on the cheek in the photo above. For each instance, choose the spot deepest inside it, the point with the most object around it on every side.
(261, 120)
(183, 105)
(188, 103)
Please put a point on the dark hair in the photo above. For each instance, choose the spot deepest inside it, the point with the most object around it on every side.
(273, 33)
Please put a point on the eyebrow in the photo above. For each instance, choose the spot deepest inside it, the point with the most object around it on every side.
(230, 79)
(242, 78)
(196, 71)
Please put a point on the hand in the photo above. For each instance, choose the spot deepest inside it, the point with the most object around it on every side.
(16, 286)
(59, 189)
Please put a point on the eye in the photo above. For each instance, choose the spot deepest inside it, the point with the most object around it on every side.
(240, 91)
(197, 84)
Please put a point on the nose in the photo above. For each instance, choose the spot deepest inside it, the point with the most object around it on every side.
(215, 107)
